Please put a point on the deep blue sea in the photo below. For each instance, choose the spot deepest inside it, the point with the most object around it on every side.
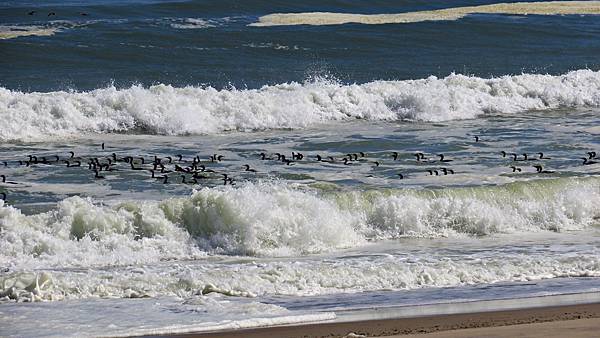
(201, 165)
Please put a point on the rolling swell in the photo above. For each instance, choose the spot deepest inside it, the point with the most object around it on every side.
(166, 110)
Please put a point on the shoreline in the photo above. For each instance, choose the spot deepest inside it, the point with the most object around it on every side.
(458, 324)
(489, 317)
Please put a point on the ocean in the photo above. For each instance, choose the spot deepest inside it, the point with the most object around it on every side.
(187, 166)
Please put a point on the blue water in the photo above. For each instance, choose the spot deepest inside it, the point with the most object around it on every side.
(296, 241)
(137, 43)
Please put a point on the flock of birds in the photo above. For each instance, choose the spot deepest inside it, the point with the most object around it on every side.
(210, 171)
(54, 13)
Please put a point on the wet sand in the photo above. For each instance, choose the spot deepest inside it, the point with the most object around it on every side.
(553, 321)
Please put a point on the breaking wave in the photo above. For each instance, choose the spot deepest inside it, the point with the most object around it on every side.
(166, 110)
(275, 219)
(63, 253)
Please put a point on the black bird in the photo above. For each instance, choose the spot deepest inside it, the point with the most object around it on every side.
(528, 159)
(476, 139)
(515, 157)
(515, 169)
(31, 13)
(376, 163)
(264, 157)
(543, 158)
(395, 155)
(540, 169)
(183, 180)
(74, 164)
(33, 159)
(592, 154)
(446, 171)
(319, 158)
(216, 158)
(247, 168)
(203, 169)
(586, 161)
(503, 153)
(179, 168)
(442, 158)
(102, 145)
(420, 157)
(83, 14)
(51, 14)
(400, 176)
(98, 176)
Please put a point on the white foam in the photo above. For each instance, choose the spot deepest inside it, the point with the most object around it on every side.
(455, 13)
(11, 32)
(84, 249)
(274, 219)
(163, 109)
(141, 317)
(408, 270)
(193, 23)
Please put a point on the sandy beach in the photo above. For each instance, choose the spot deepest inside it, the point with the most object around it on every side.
(553, 321)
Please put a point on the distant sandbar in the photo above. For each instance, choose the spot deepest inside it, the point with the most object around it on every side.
(519, 8)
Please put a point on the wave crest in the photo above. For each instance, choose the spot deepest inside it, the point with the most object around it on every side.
(166, 110)
(274, 219)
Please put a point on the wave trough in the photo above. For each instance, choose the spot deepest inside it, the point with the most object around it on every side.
(166, 110)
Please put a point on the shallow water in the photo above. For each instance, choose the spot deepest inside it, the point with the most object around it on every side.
(281, 242)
